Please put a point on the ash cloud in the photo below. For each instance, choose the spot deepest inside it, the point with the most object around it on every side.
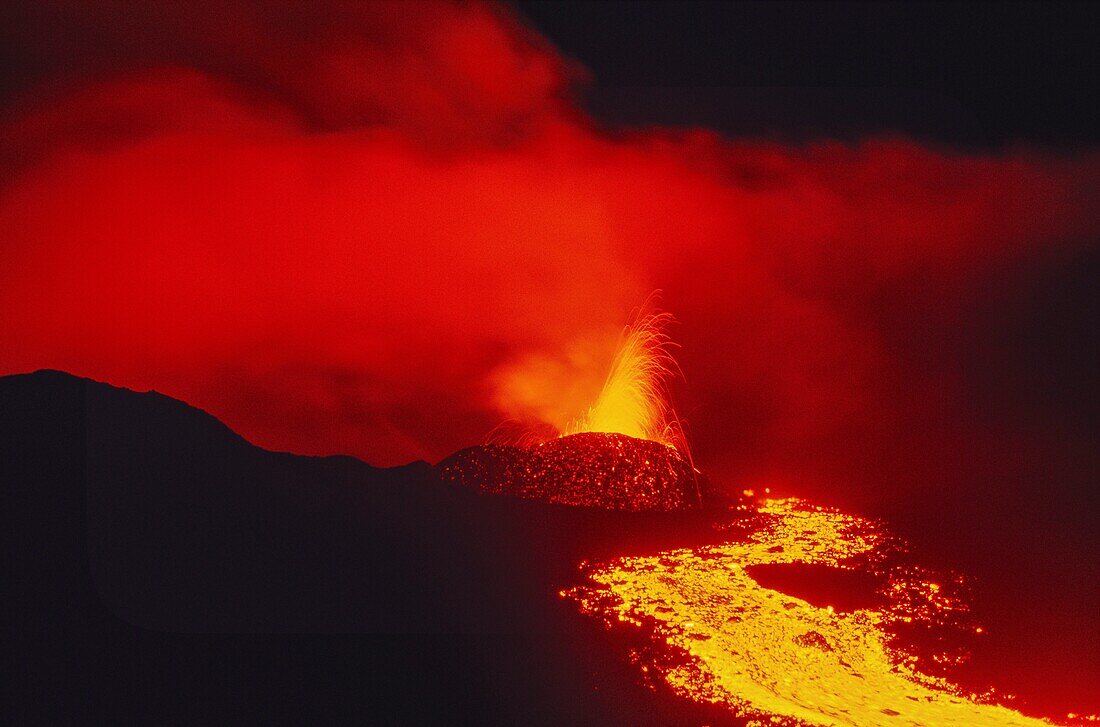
(362, 229)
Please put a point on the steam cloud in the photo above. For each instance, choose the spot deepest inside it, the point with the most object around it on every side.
(362, 229)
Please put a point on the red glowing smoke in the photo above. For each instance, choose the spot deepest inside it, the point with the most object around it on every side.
(350, 229)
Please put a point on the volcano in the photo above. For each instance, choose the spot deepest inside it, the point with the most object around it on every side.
(594, 469)
(627, 452)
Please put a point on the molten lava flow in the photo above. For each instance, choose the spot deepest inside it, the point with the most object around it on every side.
(634, 400)
(768, 656)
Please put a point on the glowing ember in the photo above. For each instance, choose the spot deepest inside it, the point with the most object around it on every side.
(634, 400)
(773, 657)
(611, 471)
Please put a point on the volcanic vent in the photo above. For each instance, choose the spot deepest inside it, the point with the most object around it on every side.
(626, 452)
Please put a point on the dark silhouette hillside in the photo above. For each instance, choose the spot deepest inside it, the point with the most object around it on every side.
(163, 569)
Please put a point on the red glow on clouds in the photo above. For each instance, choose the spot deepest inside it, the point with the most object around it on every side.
(382, 233)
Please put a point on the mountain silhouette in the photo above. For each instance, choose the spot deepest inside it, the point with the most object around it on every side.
(165, 570)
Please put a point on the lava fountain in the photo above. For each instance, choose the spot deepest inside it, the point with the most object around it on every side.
(626, 452)
(634, 400)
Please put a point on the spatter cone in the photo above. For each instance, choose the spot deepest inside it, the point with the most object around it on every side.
(594, 469)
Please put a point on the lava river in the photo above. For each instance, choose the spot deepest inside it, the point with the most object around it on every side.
(720, 637)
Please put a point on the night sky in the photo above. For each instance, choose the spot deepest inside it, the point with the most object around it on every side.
(963, 74)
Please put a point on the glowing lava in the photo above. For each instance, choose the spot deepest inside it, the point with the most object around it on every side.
(634, 399)
(627, 452)
(774, 658)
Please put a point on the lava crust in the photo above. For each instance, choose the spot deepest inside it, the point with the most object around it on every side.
(594, 469)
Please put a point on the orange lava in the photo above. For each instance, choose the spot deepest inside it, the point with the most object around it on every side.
(634, 399)
(772, 658)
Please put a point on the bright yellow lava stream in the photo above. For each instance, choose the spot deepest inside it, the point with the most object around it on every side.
(770, 657)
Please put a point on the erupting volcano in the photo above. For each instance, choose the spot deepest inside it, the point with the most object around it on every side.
(326, 396)
(627, 452)
(707, 623)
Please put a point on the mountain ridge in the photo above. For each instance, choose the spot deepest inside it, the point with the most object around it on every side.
(163, 569)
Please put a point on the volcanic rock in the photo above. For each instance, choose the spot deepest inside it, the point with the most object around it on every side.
(595, 469)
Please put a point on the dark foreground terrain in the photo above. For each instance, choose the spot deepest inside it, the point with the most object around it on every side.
(162, 569)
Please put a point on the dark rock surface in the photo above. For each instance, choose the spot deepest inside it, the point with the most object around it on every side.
(162, 569)
(609, 471)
